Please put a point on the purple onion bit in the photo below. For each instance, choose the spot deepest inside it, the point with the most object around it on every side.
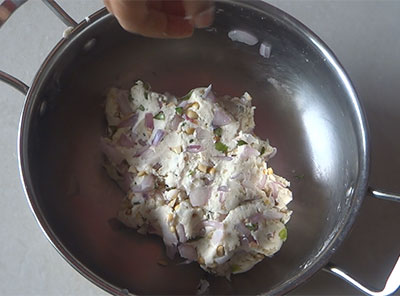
(208, 94)
(221, 118)
(194, 148)
(148, 120)
(130, 121)
(159, 135)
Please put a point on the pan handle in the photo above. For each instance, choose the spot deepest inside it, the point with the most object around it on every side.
(393, 281)
(14, 82)
(7, 8)
(383, 195)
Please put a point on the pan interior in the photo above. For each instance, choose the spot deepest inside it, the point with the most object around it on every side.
(302, 107)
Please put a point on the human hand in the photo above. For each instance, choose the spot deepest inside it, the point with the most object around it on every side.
(162, 18)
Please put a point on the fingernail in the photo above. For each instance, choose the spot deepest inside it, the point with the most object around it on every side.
(204, 18)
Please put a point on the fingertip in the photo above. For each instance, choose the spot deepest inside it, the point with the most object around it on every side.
(199, 13)
(178, 27)
(204, 18)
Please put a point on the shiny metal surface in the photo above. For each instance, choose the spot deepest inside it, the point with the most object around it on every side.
(384, 195)
(61, 14)
(305, 105)
(391, 285)
(14, 82)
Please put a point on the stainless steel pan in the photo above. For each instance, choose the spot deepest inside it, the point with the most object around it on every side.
(306, 105)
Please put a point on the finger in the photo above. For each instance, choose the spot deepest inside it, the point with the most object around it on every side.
(136, 17)
(200, 13)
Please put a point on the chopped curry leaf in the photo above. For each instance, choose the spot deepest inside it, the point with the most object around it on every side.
(262, 151)
(179, 110)
(160, 116)
(218, 131)
(241, 142)
(141, 108)
(221, 147)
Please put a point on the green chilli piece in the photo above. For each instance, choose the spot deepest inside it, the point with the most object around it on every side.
(187, 96)
(218, 131)
(179, 110)
(283, 234)
(141, 108)
(241, 142)
(160, 116)
(221, 147)
(262, 151)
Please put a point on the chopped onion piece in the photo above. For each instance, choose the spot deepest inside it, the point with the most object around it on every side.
(221, 118)
(223, 259)
(217, 236)
(245, 234)
(208, 94)
(148, 121)
(227, 158)
(243, 36)
(248, 152)
(273, 215)
(242, 229)
(262, 182)
(175, 122)
(199, 196)
(194, 148)
(183, 104)
(223, 188)
(207, 181)
(222, 217)
(202, 134)
(142, 142)
(237, 175)
(123, 102)
(125, 141)
(129, 121)
(187, 251)
(256, 218)
(222, 197)
(213, 224)
(180, 230)
(146, 185)
(265, 49)
(159, 135)
(142, 150)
